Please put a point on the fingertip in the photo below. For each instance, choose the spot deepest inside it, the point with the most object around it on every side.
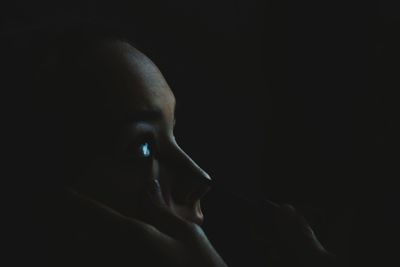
(289, 209)
(270, 203)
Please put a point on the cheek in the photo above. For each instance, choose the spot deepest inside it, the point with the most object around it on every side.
(119, 187)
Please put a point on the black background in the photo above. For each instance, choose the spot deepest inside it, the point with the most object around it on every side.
(294, 101)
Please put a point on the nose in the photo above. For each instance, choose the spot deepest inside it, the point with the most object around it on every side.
(190, 181)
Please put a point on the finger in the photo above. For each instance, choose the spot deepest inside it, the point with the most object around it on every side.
(157, 213)
(104, 217)
(290, 221)
(99, 215)
(267, 210)
(270, 204)
(128, 235)
(300, 229)
(95, 207)
(297, 219)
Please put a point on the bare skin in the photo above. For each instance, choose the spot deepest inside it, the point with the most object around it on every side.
(144, 184)
(142, 96)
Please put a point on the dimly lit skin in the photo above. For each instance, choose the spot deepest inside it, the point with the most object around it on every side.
(141, 99)
(140, 179)
(137, 176)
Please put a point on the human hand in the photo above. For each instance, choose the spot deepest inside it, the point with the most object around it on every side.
(289, 240)
(158, 238)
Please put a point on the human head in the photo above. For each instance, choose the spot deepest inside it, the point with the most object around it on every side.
(109, 114)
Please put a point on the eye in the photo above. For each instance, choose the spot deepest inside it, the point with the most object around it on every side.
(145, 150)
(141, 151)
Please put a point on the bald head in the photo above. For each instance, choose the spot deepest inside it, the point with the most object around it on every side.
(109, 120)
(93, 92)
(126, 75)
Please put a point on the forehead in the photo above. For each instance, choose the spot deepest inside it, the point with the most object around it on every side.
(130, 79)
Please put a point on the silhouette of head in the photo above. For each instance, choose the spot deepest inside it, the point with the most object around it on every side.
(109, 116)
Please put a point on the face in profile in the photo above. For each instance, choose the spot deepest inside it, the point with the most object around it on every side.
(140, 144)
